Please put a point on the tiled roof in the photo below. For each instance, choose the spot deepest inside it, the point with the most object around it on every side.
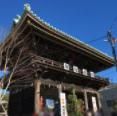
(28, 9)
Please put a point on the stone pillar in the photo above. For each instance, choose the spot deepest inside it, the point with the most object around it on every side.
(37, 85)
(86, 100)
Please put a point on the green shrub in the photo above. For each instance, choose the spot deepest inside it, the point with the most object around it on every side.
(75, 105)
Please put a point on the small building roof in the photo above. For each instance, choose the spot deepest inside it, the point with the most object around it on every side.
(110, 86)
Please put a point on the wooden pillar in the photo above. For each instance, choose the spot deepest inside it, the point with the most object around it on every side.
(86, 100)
(37, 85)
(59, 89)
(99, 101)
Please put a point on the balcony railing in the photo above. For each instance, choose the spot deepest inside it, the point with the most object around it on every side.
(66, 68)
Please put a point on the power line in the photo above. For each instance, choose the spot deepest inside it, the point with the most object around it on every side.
(113, 23)
(103, 37)
(97, 39)
(112, 42)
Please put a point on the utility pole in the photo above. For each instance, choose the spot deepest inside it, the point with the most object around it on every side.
(112, 41)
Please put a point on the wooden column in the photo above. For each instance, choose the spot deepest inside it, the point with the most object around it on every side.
(86, 100)
(59, 89)
(37, 85)
(99, 101)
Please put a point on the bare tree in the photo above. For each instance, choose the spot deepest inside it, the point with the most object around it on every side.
(3, 33)
(12, 62)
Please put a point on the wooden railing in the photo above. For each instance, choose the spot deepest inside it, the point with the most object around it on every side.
(60, 66)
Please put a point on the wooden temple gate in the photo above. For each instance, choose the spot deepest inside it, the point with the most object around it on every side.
(43, 61)
(30, 97)
(30, 100)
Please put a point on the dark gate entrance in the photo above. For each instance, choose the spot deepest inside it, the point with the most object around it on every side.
(21, 102)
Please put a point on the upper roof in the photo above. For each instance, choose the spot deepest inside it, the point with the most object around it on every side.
(36, 22)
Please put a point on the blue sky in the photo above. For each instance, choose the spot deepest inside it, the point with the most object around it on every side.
(84, 19)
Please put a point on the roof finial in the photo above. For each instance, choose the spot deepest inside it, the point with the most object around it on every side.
(17, 19)
(27, 7)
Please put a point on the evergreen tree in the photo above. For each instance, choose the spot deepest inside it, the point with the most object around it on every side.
(74, 105)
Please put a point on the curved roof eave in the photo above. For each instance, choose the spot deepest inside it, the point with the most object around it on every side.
(68, 37)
